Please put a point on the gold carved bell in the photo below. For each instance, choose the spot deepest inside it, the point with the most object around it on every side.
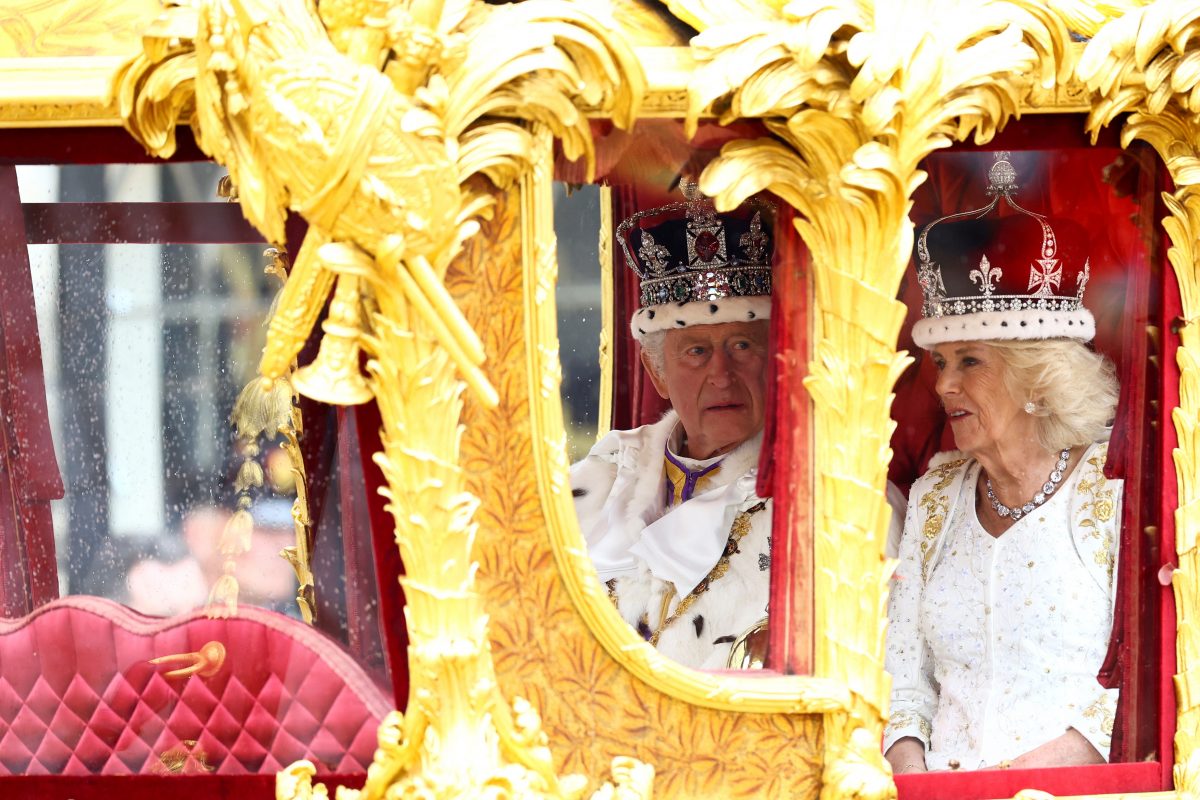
(334, 376)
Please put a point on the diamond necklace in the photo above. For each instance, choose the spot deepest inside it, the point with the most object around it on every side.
(1056, 476)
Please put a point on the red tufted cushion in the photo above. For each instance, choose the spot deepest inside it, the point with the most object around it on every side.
(78, 695)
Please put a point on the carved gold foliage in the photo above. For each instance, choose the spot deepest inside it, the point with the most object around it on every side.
(865, 96)
(1145, 63)
(396, 149)
(389, 134)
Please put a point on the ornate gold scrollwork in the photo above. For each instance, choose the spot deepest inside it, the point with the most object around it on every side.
(266, 409)
(387, 126)
(855, 98)
(1145, 64)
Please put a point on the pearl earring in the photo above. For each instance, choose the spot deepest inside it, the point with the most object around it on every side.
(1030, 407)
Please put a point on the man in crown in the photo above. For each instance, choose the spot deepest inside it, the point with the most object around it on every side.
(668, 510)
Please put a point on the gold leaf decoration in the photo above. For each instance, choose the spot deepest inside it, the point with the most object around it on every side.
(1145, 64)
(389, 134)
(42, 28)
(593, 707)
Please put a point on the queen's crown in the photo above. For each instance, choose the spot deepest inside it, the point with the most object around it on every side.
(967, 264)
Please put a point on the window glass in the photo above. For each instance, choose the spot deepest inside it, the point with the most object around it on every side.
(163, 531)
(689, 348)
(577, 225)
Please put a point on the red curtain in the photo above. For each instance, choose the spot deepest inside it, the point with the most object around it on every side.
(29, 476)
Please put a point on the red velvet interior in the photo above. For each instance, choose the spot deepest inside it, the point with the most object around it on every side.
(78, 695)
(154, 787)
(993, 784)
(74, 675)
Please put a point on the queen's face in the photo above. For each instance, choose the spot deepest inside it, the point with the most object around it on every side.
(982, 413)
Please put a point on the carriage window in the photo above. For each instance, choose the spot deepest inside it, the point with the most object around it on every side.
(580, 302)
(1058, 587)
(685, 295)
(151, 488)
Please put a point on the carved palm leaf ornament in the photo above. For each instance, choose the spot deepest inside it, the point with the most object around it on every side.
(388, 126)
(1147, 65)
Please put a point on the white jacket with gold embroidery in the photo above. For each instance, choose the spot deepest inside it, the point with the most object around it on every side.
(994, 642)
(654, 559)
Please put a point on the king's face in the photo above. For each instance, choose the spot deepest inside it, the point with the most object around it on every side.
(715, 377)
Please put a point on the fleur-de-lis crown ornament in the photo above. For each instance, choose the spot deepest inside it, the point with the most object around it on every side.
(696, 266)
(986, 275)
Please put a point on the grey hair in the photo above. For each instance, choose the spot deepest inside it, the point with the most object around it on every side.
(654, 346)
(1073, 388)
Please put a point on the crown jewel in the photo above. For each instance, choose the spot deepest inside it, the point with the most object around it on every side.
(971, 268)
(710, 256)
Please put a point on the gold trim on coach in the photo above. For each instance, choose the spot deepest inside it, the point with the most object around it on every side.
(608, 330)
(1141, 66)
(468, 97)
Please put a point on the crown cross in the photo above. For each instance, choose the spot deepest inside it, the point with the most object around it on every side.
(986, 276)
(754, 242)
(929, 276)
(1046, 281)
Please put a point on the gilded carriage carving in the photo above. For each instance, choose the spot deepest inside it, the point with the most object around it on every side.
(386, 176)
(417, 141)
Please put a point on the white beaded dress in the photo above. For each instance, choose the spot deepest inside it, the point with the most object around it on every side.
(994, 642)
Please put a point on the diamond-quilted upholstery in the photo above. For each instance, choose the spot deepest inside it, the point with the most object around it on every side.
(78, 695)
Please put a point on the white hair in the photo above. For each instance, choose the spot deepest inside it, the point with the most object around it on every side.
(654, 346)
(1073, 388)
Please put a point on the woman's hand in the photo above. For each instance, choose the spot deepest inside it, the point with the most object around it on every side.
(1070, 749)
(906, 756)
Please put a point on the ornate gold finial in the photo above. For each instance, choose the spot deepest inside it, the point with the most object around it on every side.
(334, 376)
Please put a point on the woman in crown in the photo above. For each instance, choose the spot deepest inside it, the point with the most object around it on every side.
(1002, 605)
